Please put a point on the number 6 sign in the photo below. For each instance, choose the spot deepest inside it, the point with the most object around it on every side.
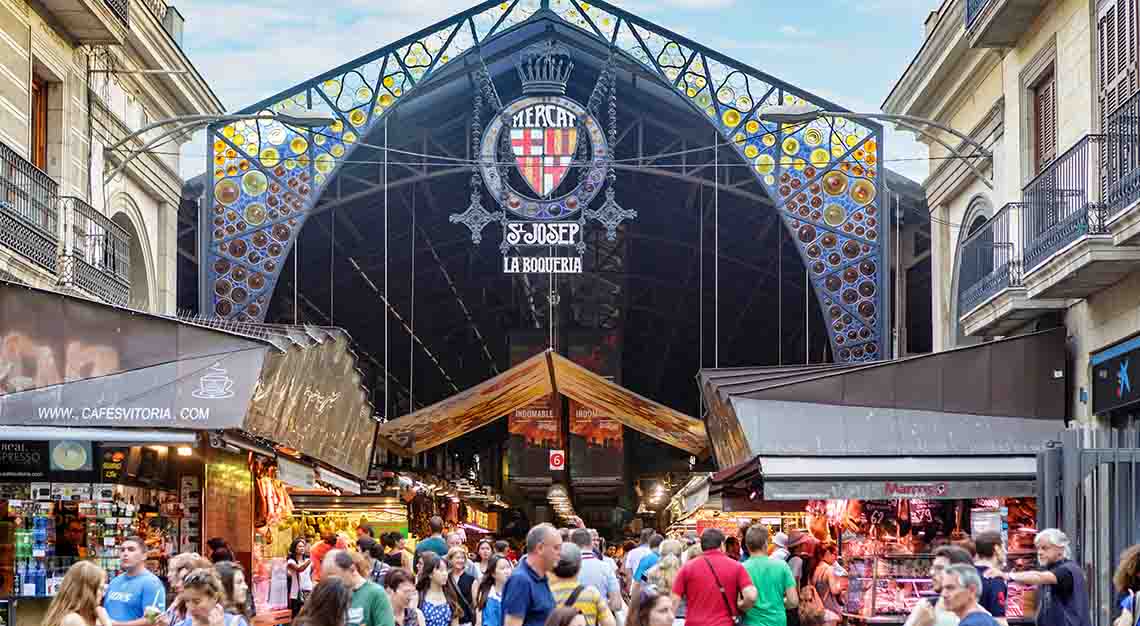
(557, 460)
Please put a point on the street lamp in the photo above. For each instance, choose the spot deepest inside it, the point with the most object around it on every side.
(804, 113)
(190, 123)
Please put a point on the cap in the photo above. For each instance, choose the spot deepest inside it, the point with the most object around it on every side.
(780, 539)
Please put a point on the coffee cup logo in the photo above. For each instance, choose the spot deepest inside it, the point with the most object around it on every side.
(214, 385)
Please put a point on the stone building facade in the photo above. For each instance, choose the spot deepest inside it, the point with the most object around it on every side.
(77, 77)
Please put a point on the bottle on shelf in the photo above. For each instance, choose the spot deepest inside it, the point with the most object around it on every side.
(41, 579)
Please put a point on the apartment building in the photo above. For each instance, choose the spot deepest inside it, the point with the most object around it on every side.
(77, 77)
(1042, 228)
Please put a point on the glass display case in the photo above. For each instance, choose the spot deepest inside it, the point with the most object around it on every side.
(886, 588)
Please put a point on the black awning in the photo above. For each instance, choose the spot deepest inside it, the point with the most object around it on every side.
(69, 361)
(1012, 390)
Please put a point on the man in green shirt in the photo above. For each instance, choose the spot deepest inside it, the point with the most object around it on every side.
(370, 605)
(775, 587)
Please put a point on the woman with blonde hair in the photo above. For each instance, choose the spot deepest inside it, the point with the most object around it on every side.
(78, 601)
(1127, 582)
(665, 571)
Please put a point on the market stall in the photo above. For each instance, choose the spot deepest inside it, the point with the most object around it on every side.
(886, 461)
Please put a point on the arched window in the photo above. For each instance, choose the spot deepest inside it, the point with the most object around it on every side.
(969, 264)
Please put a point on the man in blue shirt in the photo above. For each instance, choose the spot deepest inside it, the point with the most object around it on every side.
(131, 593)
(649, 560)
(527, 600)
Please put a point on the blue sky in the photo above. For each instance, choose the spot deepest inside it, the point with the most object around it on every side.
(850, 52)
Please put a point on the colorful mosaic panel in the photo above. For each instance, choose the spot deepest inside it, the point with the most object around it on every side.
(823, 175)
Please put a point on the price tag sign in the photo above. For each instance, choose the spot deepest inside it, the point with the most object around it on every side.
(39, 554)
(108, 541)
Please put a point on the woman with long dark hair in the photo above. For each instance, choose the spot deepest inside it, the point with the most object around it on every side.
(327, 605)
(489, 595)
(300, 575)
(77, 603)
(650, 608)
(234, 590)
(483, 554)
(438, 599)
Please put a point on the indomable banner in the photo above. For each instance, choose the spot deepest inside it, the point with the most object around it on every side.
(66, 361)
(595, 443)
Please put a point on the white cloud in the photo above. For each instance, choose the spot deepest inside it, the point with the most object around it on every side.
(794, 31)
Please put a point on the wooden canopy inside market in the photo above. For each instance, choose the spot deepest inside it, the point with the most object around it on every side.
(534, 378)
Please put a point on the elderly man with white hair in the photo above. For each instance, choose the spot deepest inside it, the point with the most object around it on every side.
(1064, 593)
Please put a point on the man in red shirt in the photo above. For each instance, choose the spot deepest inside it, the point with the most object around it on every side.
(715, 587)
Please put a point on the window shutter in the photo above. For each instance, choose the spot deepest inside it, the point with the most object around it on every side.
(1117, 56)
(1118, 65)
(1045, 107)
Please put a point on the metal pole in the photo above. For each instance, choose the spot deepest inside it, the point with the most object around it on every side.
(780, 291)
(716, 250)
(296, 277)
(807, 313)
(387, 361)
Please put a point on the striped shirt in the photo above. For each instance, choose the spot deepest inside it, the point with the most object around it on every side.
(590, 601)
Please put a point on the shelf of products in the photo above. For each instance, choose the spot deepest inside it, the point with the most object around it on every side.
(883, 586)
(41, 539)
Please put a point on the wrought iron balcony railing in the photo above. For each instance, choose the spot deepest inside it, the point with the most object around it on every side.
(1063, 203)
(29, 223)
(121, 9)
(96, 253)
(990, 259)
(973, 10)
(1120, 169)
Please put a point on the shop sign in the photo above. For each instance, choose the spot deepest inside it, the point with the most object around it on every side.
(1116, 379)
(111, 464)
(345, 484)
(23, 459)
(897, 490)
(295, 474)
(544, 158)
(914, 490)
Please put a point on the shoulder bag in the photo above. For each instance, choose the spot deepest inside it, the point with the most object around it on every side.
(732, 614)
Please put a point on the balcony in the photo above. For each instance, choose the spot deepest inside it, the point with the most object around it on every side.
(1069, 251)
(91, 22)
(96, 253)
(28, 219)
(991, 298)
(999, 23)
(1121, 172)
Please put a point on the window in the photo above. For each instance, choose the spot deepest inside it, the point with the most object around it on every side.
(1116, 56)
(39, 123)
(1044, 121)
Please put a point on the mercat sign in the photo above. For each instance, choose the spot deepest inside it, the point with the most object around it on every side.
(545, 158)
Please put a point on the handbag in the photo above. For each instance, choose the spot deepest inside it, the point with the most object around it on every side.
(732, 615)
(811, 607)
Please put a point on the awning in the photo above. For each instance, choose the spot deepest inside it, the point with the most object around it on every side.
(68, 361)
(107, 436)
(909, 477)
(534, 378)
(929, 405)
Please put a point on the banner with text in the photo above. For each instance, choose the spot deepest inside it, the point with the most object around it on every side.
(595, 443)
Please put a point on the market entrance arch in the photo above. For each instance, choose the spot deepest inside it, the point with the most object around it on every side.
(823, 178)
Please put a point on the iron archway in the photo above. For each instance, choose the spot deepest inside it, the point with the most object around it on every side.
(825, 177)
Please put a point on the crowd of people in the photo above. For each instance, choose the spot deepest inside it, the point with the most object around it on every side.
(566, 577)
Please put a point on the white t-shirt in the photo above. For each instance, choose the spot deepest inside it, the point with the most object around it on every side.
(633, 559)
(301, 581)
